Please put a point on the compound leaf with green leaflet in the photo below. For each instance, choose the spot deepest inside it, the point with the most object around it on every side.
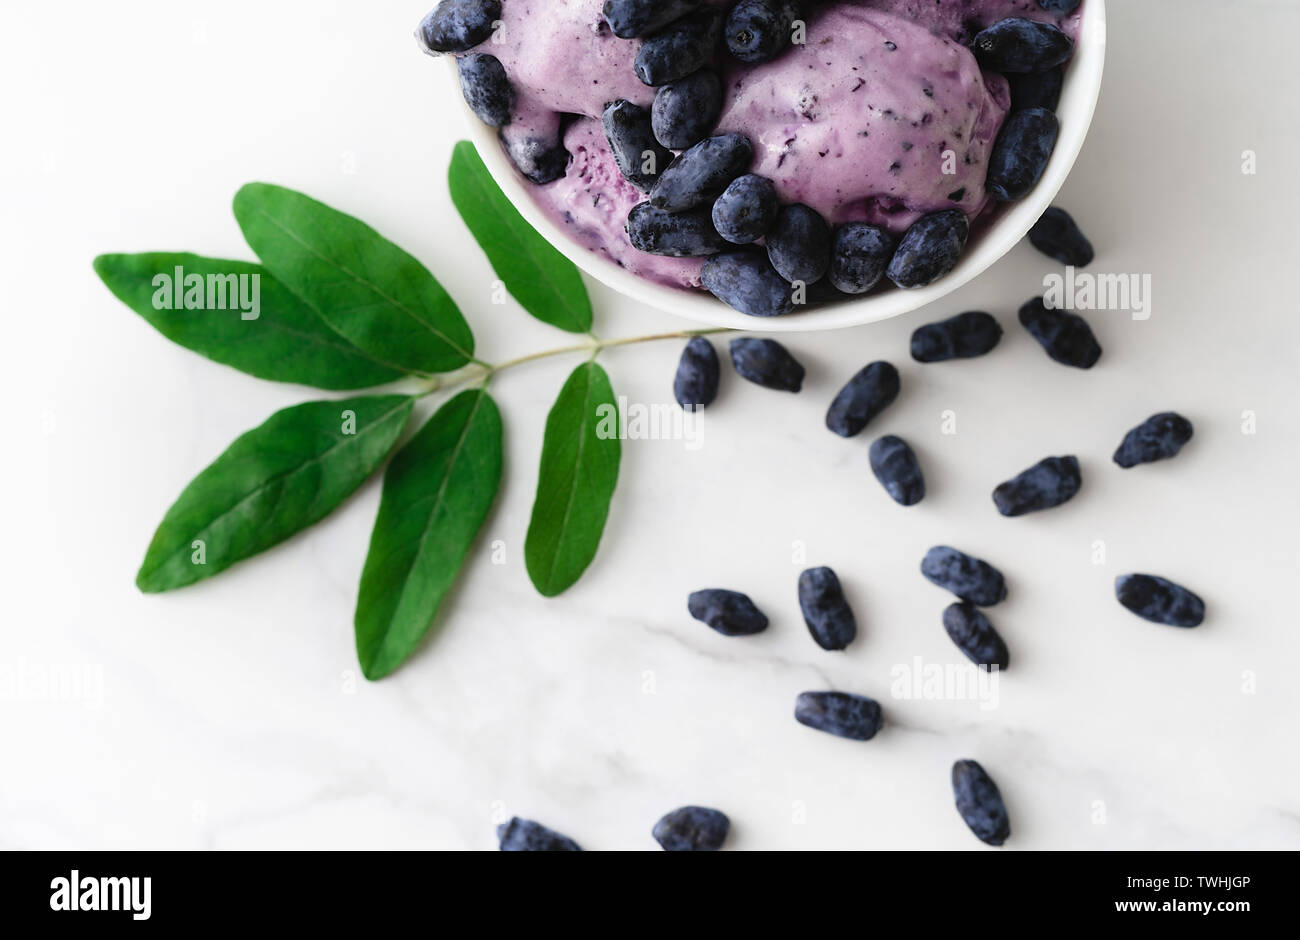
(545, 283)
(272, 482)
(286, 341)
(579, 470)
(368, 289)
(437, 493)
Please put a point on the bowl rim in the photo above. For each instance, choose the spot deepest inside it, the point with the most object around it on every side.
(1078, 104)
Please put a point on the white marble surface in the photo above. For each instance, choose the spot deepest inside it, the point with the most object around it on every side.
(230, 715)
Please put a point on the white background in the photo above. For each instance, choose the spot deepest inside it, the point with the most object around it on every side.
(231, 714)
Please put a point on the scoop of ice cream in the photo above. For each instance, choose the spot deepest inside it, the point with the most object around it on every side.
(875, 119)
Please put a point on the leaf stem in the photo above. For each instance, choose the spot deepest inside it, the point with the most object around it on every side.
(482, 371)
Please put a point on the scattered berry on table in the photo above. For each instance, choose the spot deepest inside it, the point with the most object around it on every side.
(967, 577)
(692, 829)
(979, 802)
(698, 372)
(1160, 600)
(873, 389)
(729, 612)
(971, 631)
(825, 610)
(1065, 336)
(839, 713)
(899, 472)
(964, 336)
(524, 835)
(1159, 437)
(1057, 235)
(1046, 485)
(767, 363)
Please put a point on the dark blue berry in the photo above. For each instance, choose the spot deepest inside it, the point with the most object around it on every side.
(679, 49)
(1020, 155)
(930, 248)
(1057, 235)
(1059, 7)
(1021, 45)
(859, 255)
(639, 157)
(767, 363)
(458, 25)
(825, 610)
(541, 161)
(969, 578)
(672, 234)
(822, 292)
(897, 469)
(631, 18)
(1066, 337)
(979, 802)
(1036, 89)
(1159, 437)
(685, 111)
(746, 281)
(524, 835)
(1046, 485)
(760, 30)
(692, 829)
(747, 209)
(964, 336)
(1160, 600)
(487, 88)
(839, 713)
(975, 636)
(700, 174)
(799, 245)
(729, 612)
(696, 383)
(866, 395)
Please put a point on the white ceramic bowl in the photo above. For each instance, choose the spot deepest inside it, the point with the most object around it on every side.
(1078, 102)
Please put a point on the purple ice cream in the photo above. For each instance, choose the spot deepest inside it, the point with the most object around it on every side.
(881, 115)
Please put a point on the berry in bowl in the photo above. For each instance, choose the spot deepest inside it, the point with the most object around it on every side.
(808, 165)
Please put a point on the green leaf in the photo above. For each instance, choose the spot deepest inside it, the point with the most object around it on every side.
(286, 341)
(437, 492)
(270, 483)
(544, 282)
(580, 457)
(365, 287)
